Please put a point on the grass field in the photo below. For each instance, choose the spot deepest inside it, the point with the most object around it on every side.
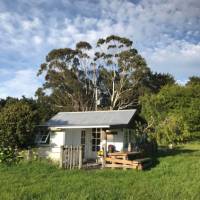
(176, 175)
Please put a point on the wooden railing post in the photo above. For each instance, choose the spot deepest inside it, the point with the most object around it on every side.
(80, 157)
(129, 147)
(104, 157)
(104, 147)
(61, 156)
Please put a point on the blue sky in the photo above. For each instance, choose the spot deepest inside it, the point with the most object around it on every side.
(166, 33)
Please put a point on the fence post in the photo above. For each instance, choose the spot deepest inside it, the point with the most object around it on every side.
(61, 156)
(74, 157)
(77, 156)
(65, 158)
(80, 157)
(16, 151)
(70, 157)
(29, 154)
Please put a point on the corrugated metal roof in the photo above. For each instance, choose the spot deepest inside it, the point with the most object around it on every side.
(92, 118)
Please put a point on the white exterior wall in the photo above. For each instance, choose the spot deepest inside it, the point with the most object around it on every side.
(52, 150)
(57, 139)
(73, 137)
(116, 139)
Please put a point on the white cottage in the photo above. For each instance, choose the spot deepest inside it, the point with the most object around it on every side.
(94, 130)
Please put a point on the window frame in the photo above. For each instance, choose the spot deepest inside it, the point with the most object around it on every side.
(43, 138)
(96, 137)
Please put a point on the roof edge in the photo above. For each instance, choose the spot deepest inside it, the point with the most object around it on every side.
(78, 127)
(100, 111)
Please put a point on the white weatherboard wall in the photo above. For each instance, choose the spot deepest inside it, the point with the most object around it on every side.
(65, 137)
(116, 139)
(57, 139)
(70, 137)
(73, 137)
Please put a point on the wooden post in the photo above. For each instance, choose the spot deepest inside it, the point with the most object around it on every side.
(80, 157)
(16, 152)
(74, 156)
(70, 157)
(65, 157)
(129, 147)
(104, 147)
(77, 156)
(29, 154)
(61, 156)
(103, 157)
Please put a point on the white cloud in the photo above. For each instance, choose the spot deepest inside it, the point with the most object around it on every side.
(165, 32)
(23, 82)
(182, 82)
(180, 58)
(30, 24)
(37, 40)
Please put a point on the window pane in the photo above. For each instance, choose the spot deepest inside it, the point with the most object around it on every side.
(93, 141)
(43, 138)
(98, 141)
(83, 134)
(98, 135)
(93, 148)
(82, 140)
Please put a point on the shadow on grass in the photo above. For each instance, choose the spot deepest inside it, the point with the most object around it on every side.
(164, 152)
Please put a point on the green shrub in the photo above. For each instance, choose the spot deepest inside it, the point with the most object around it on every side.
(8, 155)
(173, 113)
(172, 130)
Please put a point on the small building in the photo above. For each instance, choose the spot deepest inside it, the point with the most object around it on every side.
(94, 130)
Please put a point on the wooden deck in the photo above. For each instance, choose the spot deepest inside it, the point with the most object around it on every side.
(124, 155)
(120, 160)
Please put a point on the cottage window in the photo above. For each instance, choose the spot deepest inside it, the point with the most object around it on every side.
(96, 134)
(43, 138)
(129, 137)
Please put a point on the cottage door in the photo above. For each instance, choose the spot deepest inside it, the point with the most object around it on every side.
(95, 142)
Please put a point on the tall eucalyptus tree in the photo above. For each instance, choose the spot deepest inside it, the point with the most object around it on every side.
(78, 77)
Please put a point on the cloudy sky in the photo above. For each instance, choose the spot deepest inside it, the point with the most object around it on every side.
(166, 32)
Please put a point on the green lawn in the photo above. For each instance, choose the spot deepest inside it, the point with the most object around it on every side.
(176, 175)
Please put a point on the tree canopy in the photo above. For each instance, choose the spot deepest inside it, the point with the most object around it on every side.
(17, 122)
(174, 111)
(110, 72)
